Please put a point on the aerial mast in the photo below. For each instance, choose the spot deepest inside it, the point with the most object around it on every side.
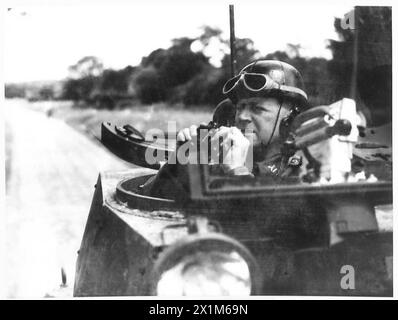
(232, 39)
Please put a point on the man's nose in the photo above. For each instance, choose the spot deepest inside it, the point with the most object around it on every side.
(243, 117)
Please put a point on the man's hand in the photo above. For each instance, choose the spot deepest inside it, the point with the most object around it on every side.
(234, 147)
(228, 141)
(187, 134)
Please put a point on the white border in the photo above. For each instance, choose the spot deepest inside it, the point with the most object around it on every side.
(9, 3)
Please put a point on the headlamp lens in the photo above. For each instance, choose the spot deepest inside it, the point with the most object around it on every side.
(210, 273)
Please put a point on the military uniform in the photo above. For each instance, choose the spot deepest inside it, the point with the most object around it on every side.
(171, 182)
(261, 78)
(278, 168)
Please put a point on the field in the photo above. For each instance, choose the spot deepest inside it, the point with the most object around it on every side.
(159, 116)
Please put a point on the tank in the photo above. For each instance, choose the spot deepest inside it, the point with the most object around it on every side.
(240, 237)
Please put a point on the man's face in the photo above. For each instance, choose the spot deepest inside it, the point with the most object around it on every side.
(258, 115)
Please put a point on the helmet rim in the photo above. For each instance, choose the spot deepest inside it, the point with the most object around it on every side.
(287, 76)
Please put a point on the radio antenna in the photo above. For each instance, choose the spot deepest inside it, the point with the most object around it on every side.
(232, 39)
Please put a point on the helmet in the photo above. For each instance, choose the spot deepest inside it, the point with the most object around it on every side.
(269, 78)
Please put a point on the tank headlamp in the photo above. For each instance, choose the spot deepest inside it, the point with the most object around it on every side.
(205, 263)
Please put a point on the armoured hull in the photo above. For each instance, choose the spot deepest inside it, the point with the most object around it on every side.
(300, 248)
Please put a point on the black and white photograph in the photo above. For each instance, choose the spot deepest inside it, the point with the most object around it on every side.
(197, 149)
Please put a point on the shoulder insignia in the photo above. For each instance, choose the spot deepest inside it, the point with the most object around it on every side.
(295, 161)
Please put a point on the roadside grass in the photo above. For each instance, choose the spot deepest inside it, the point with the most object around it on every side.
(160, 116)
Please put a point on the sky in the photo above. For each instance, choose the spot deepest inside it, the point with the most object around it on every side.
(41, 41)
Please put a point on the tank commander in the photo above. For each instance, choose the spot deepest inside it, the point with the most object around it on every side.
(263, 100)
(268, 94)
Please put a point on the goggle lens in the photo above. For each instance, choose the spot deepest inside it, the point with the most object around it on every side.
(255, 81)
(231, 83)
(252, 81)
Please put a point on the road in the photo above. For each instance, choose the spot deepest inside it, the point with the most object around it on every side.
(50, 184)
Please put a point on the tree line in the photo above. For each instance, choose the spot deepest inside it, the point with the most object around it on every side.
(181, 75)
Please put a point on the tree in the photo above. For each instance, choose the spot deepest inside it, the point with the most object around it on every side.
(362, 62)
(245, 52)
(88, 66)
(293, 50)
(79, 89)
(84, 79)
(163, 70)
(149, 85)
(209, 33)
(14, 90)
(46, 93)
(116, 81)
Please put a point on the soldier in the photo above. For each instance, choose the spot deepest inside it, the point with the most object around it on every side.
(268, 94)
(265, 97)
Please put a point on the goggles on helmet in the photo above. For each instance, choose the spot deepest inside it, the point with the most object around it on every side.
(257, 82)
